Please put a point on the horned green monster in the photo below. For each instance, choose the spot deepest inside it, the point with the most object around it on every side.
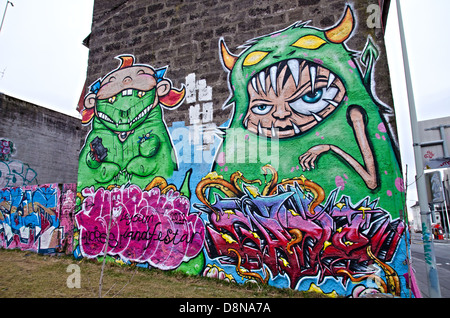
(129, 141)
(301, 88)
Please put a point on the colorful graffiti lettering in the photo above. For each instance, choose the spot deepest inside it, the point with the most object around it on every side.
(30, 219)
(292, 229)
(145, 226)
(7, 149)
(15, 173)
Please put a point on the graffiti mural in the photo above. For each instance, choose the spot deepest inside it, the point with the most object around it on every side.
(300, 188)
(30, 219)
(129, 209)
(13, 173)
(146, 226)
(301, 88)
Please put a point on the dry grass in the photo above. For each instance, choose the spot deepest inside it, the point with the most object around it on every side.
(27, 274)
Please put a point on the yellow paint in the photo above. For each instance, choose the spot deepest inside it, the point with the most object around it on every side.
(340, 205)
(228, 238)
(313, 288)
(212, 175)
(253, 190)
(285, 262)
(254, 58)
(310, 42)
(326, 244)
(229, 212)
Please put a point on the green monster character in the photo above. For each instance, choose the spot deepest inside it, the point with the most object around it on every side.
(301, 89)
(129, 140)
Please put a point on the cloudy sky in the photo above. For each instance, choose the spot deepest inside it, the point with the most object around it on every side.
(43, 61)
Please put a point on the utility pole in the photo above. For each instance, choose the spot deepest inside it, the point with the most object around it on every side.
(430, 258)
(4, 13)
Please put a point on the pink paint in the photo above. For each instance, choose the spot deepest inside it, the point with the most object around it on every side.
(146, 226)
(352, 64)
(292, 169)
(340, 183)
(221, 159)
(226, 169)
(399, 184)
(318, 61)
(246, 136)
(378, 136)
(381, 127)
(389, 193)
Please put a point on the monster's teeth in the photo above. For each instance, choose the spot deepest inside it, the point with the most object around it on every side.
(273, 78)
(330, 80)
(262, 80)
(296, 130)
(255, 87)
(259, 129)
(246, 123)
(332, 102)
(317, 117)
(127, 92)
(273, 132)
(312, 74)
(294, 67)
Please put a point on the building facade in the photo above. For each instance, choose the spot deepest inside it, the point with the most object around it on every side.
(251, 141)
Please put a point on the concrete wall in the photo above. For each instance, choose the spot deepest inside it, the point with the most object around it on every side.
(271, 160)
(39, 145)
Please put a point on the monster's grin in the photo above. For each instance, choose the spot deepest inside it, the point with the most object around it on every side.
(126, 110)
(139, 116)
(290, 97)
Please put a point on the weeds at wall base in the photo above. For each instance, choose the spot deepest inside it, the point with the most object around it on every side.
(32, 275)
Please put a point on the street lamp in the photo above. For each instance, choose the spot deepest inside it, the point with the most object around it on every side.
(4, 13)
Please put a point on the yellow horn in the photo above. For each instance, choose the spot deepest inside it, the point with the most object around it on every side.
(343, 29)
(228, 59)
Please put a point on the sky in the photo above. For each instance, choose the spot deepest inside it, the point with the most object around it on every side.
(43, 61)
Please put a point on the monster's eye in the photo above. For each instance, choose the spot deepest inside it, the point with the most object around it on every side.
(254, 58)
(112, 99)
(311, 97)
(261, 109)
(310, 42)
(314, 102)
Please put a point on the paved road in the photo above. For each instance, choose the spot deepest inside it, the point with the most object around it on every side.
(442, 252)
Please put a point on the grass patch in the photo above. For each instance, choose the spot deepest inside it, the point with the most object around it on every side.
(27, 274)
